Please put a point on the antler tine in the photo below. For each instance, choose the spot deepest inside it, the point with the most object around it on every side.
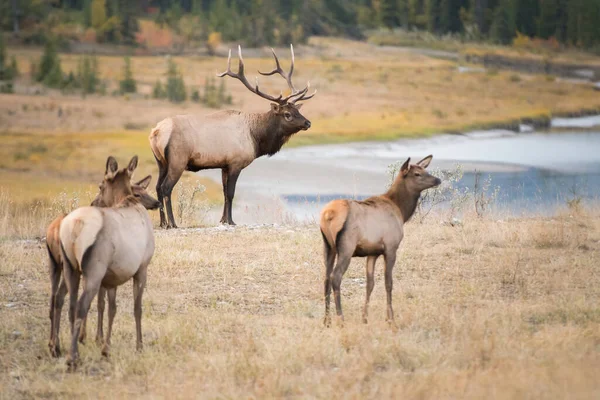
(242, 78)
(222, 74)
(280, 71)
(303, 96)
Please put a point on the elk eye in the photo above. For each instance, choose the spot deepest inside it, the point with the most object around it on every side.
(417, 174)
(287, 115)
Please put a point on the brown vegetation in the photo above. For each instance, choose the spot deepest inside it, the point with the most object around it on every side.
(494, 309)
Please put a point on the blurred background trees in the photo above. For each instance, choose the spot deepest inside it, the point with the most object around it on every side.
(274, 22)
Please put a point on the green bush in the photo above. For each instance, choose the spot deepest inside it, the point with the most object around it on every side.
(49, 62)
(128, 83)
(215, 97)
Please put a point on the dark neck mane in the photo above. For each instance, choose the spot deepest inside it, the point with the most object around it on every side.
(267, 133)
(402, 198)
(128, 201)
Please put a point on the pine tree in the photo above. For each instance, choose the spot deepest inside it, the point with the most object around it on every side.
(433, 15)
(389, 13)
(526, 14)
(175, 85)
(49, 61)
(501, 31)
(128, 84)
(548, 19)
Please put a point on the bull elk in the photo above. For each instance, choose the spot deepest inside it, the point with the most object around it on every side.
(108, 246)
(58, 285)
(229, 140)
(370, 228)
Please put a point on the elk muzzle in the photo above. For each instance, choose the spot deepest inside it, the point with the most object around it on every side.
(306, 125)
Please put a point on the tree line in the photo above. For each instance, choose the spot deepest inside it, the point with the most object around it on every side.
(260, 22)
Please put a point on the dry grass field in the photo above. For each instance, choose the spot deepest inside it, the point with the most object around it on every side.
(492, 309)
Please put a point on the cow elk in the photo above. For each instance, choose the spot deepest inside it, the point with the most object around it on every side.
(58, 285)
(229, 140)
(108, 247)
(370, 228)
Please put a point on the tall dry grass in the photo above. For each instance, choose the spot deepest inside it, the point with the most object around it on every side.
(494, 309)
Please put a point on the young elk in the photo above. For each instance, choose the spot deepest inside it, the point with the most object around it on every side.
(229, 140)
(370, 228)
(108, 246)
(59, 290)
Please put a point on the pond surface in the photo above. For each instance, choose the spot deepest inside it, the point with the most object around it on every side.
(535, 172)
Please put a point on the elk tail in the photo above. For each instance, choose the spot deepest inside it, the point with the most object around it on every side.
(78, 233)
(333, 221)
(159, 140)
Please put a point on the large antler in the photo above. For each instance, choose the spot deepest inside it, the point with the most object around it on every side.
(300, 95)
(288, 78)
(242, 78)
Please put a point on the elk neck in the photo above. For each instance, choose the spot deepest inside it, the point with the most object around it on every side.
(268, 134)
(403, 198)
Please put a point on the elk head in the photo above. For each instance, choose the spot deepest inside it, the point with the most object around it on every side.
(415, 176)
(116, 186)
(285, 108)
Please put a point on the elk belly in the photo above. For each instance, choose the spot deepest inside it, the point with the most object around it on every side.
(366, 248)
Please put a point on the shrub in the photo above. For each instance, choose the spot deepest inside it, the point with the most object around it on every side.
(213, 42)
(127, 84)
(215, 97)
(195, 97)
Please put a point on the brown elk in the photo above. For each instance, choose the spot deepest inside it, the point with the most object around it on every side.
(370, 228)
(107, 246)
(59, 290)
(229, 140)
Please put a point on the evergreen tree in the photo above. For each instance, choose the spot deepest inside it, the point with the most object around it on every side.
(548, 18)
(433, 15)
(127, 84)
(501, 31)
(175, 85)
(526, 15)
(389, 13)
(49, 61)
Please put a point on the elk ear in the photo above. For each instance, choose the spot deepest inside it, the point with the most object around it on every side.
(276, 108)
(144, 183)
(424, 163)
(111, 167)
(132, 165)
(405, 167)
(298, 106)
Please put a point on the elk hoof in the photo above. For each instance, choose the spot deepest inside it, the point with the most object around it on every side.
(54, 350)
(72, 363)
(105, 351)
(139, 347)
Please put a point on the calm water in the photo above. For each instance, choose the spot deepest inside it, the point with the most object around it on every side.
(536, 172)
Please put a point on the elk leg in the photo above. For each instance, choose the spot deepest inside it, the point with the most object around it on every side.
(224, 176)
(83, 331)
(101, 304)
(112, 311)
(390, 260)
(162, 173)
(167, 190)
(90, 289)
(231, 182)
(72, 279)
(341, 266)
(329, 262)
(55, 275)
(371, 260)
(59, 300)
(139, 282)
